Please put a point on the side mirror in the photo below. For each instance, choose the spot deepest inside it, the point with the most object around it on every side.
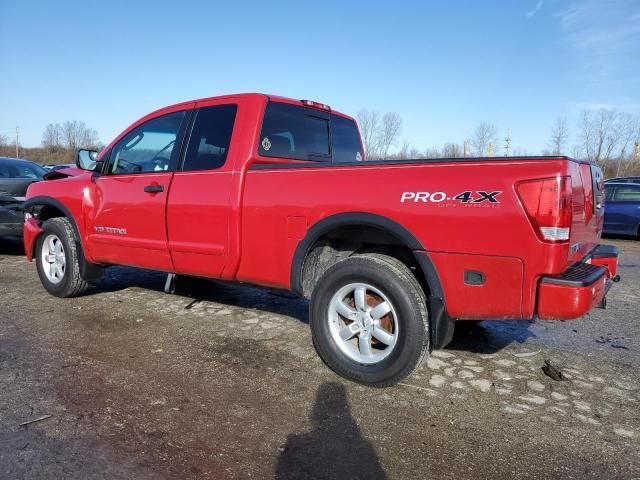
(86, 159)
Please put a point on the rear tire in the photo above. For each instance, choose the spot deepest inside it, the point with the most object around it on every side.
(369, 320)
(57, 259)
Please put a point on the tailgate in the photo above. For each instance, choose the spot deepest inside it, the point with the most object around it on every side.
(588, 209)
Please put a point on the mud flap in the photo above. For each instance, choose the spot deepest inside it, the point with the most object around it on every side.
(442, 326)
(89, 272)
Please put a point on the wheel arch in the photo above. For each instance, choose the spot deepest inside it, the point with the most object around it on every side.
(398, 236)
(49, 207)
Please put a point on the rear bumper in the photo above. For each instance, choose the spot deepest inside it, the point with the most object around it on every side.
(579, 288)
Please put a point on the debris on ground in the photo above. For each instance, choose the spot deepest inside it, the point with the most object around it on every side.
(614, 342)
(39, 419)
(552, 371)
(192, 304)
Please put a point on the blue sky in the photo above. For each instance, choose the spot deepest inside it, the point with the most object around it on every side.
(443, 66)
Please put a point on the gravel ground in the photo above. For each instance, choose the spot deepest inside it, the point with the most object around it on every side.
(222, 381)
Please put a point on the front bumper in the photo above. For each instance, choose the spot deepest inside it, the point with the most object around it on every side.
(581, 287)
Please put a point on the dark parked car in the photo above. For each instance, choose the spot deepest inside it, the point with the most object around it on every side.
(15, 176)
(622, 208)
(623, 180)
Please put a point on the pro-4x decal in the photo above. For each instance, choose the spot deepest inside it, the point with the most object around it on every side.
(478, 196)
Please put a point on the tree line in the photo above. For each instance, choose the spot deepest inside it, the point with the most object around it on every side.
(59, 143)
(607, 137)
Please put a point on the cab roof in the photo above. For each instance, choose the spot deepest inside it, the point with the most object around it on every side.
(273, 98)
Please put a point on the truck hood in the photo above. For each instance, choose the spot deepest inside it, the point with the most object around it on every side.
(64, 173)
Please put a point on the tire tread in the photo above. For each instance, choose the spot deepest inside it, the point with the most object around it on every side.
(412, 287)
(76, 285)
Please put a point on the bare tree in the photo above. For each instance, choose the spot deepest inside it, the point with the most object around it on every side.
(405, 150)
(520, 152)
(379, 135)
(388, 133)
(559, 136)
(415, 153)
(597, 137)
(451, 150)
(369, 123)
(432, 152)
(3, 140)
(627, 129)
(484, 135)
(52, 138)
(607, 138)
(76, 134)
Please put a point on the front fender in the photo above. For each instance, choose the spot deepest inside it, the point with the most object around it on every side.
(32, 229)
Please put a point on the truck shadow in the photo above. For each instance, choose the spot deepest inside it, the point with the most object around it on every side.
(476, 337)
(201, 290)
(334, 448)
(490, 336)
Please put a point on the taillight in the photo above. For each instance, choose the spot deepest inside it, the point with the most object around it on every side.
(547, 202)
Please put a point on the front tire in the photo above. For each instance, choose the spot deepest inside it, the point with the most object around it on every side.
(369, 320)
(57, 259)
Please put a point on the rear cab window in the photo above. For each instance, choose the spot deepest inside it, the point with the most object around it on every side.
(301, 133)
(345, 140)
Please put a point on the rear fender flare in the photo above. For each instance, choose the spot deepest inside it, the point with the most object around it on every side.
(441, 324)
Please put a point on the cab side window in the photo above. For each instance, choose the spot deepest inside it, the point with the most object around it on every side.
(150, 147)
(210, 137)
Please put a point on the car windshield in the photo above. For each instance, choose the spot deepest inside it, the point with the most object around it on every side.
(24, 170)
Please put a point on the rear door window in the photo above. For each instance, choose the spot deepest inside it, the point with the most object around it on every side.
(210, 137)
(291, 131)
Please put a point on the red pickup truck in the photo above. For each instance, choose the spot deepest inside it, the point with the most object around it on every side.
(272, 191)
